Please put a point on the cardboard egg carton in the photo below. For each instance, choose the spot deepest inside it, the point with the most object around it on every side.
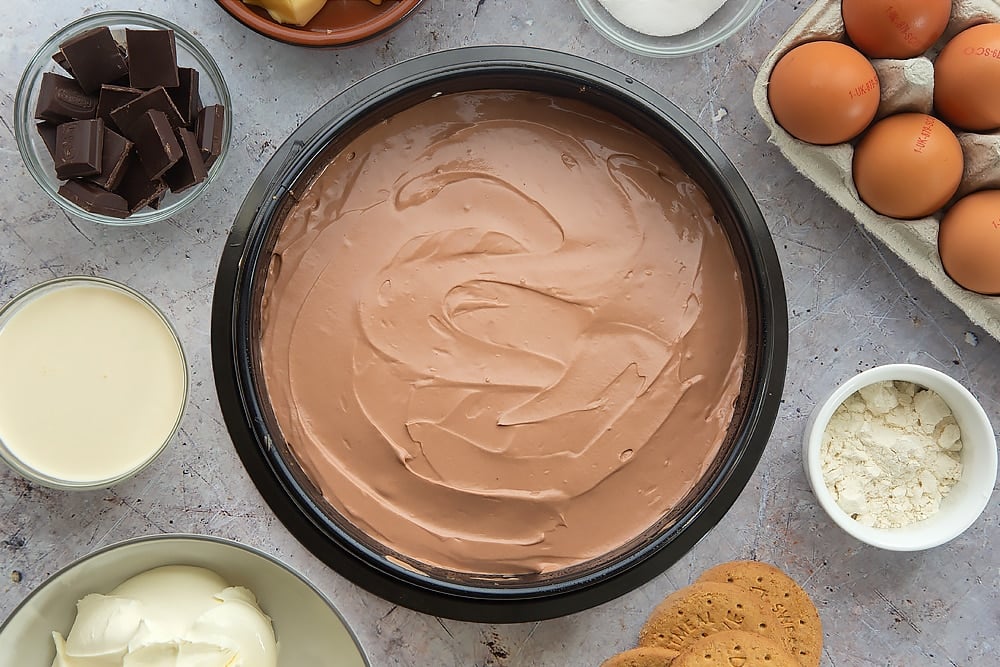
(907, 85)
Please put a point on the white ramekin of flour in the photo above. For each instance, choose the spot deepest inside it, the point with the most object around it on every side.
(902, 457)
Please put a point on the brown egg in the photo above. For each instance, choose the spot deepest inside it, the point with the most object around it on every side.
(908, 165)
(823, 92)
(894, 28)
(967, 79)
(969, 242)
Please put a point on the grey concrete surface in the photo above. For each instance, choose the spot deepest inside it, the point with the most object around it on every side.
(851, 306)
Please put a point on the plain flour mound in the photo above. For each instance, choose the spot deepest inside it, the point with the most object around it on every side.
(891, 453)
(662, 18)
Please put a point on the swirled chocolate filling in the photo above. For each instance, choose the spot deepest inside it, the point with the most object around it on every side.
(503, 332)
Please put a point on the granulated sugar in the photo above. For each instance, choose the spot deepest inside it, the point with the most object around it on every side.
(891, 453)
(662, 18)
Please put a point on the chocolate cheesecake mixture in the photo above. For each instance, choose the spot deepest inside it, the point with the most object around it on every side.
(503, 332)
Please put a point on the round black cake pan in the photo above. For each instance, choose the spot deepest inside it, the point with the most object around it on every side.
(236, 324)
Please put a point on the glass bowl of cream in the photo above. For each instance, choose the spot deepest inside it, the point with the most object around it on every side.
(902, 457)
(178, 599)
(668, 28)
(94, 384)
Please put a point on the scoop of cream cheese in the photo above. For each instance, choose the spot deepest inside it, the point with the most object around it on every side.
(172, 616)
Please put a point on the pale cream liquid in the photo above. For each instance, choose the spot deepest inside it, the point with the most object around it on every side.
(91, 383)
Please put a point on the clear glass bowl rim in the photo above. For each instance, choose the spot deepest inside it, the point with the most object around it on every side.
(24, 115)
(25, 297)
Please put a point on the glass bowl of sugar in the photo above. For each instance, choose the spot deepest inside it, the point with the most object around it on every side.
(902, 457)
(669, 28)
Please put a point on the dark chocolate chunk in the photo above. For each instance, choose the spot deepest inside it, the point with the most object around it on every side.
(122, 82)
(61, 99)
(116, 153)
(208, 130)
(152, 58)
(186, 96)
(95, 199)
(138, 189)
(155, 142)
(190, 170)
(94, 58)
(60, 59)
(79, 148)
(112, 97)
(47, 131)
(130, 112)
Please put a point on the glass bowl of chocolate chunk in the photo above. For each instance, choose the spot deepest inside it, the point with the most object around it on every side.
(123, 118)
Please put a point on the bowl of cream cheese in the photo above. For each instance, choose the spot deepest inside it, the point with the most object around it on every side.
(181, 600)
(902, 457)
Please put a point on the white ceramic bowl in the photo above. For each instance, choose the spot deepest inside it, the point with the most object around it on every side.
(309, 630)
(967, 499)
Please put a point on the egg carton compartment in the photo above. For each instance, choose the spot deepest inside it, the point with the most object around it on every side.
(906, 85)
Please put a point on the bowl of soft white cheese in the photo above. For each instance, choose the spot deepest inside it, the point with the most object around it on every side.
(179, 600)
(668, 28)
(902, 457)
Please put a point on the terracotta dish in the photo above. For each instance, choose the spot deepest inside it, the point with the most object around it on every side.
(339, 23)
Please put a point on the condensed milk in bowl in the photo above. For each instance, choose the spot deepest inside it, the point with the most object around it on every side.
(93, 383)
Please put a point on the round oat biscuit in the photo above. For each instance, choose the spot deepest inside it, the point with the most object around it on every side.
(705, 608)
(735, 648)
(797, 615)
(644, 656)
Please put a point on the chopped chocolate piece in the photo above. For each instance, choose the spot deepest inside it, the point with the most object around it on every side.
(130, 112)
(152, 58)
(94, 58)
(60, 59)
(61, 99)
(191, 168)
(138, 189)
(122, 82)
(116, 152)
(95, 199)
(186, 95)
(208, 129)
(155, 142)
(112, 97)
(79, 148)
(47, 131)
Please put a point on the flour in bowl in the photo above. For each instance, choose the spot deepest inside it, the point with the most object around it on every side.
(891, 453)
